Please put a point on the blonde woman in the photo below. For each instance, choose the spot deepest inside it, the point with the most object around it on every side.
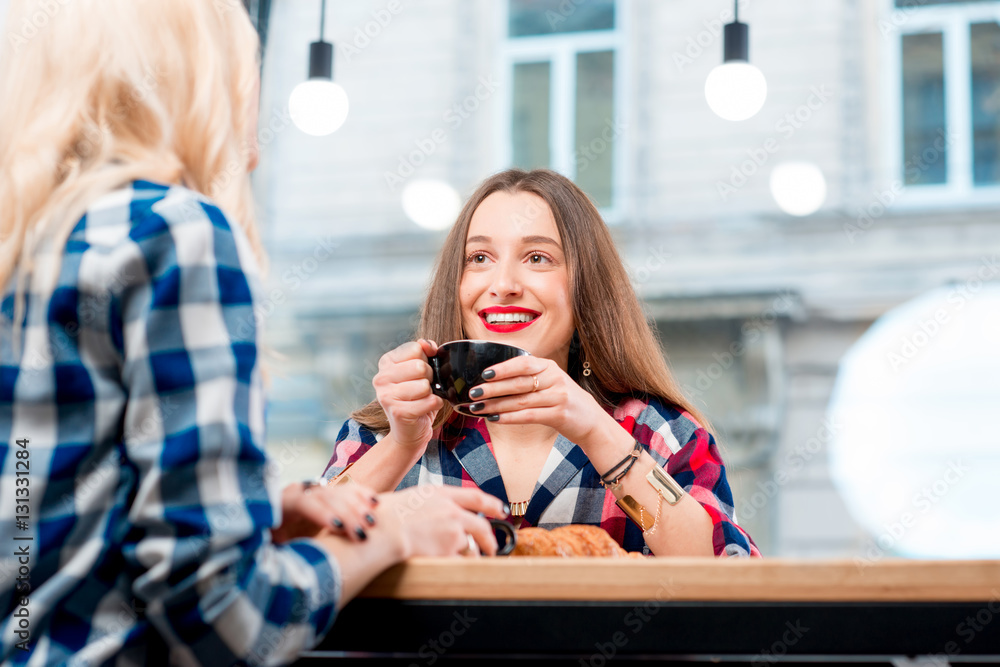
(136, 497)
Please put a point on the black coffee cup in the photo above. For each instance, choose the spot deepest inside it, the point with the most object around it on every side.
(458, 367)
(506, 536)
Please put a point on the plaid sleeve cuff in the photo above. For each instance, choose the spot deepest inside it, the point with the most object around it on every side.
(353, 441)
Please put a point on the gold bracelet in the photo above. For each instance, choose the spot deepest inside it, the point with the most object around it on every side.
(639, 514)
(665, 485)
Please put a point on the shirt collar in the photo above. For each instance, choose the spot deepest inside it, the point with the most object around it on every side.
(475, 453)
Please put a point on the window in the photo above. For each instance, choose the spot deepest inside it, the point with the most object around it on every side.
(947, 102)
(563, 60)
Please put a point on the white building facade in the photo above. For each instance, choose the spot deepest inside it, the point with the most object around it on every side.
(897, 105)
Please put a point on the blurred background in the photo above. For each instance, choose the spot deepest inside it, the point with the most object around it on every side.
(764, 250)
(823, 274)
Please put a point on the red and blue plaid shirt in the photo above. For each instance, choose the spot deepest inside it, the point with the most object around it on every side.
(569, 488)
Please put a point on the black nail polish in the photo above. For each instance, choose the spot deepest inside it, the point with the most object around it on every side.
(337, 523)
(374, 500)
(360, 532)
(370, 519)
(492, 418)
(489, 374)
(476, 407)
(476, 392)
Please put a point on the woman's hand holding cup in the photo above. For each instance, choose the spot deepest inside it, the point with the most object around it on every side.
(403, 389)
(534, 390)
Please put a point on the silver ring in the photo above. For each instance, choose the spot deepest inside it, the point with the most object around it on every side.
(308, 484)
(472, 547)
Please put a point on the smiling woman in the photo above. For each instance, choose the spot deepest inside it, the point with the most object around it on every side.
(590, 428)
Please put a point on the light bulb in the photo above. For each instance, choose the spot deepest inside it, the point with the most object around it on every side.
(736, 90)
(431, 204)
(318, 106)
(799, 188)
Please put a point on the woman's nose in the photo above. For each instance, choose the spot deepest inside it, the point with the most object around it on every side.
(505, 281)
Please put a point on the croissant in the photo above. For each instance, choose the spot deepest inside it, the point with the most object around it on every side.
(568, 541)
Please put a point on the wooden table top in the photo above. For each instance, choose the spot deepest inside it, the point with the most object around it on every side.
(686, 579)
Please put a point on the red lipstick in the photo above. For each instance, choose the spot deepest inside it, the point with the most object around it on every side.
(508, 327)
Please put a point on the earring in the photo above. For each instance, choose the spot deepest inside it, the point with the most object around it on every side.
(586, 369)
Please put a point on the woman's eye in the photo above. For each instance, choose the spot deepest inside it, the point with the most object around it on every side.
(537, 259)
(477, 258)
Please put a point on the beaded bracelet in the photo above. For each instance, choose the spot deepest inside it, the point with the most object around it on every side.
(630, 460)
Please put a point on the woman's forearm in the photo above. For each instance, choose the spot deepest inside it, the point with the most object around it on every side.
(383, 466)
(360, 562)
(684, 529)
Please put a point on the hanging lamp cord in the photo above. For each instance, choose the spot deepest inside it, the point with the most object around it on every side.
(322, 19)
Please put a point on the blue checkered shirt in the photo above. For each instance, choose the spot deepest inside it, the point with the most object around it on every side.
(132, 417)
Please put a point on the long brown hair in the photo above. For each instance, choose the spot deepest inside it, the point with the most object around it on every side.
(611, 331)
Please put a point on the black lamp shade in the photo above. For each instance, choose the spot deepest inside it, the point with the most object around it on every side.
(321, 60)
(736, 42)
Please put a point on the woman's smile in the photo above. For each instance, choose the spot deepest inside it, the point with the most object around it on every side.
(507, 319)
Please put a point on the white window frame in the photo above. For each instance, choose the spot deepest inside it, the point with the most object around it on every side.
(953, 22)
(561, 50)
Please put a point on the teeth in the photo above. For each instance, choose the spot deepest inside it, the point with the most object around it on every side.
(504, 318)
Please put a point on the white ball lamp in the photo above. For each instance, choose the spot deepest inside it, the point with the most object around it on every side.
(799, 188)
(318, 106)
(432, 204)
(736, 90)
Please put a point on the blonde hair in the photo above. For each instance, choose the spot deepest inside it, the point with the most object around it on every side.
(97, 93)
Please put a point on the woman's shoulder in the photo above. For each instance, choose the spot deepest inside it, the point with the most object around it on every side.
(143, 210)
(652, 415)
(147, 229)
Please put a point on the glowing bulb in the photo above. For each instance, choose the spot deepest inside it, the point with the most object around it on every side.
(736, 90)
(318, 107)
(431, 204)
(799, 188)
